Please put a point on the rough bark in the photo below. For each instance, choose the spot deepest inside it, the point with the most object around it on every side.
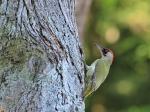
(41, 67)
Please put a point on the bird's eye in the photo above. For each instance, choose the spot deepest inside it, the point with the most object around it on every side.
(105, 51)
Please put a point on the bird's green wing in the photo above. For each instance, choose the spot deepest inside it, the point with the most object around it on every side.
(101, 71)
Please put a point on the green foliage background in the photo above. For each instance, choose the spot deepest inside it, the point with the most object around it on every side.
(123, 26)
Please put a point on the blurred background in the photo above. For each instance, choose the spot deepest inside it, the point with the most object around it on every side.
(124, 27)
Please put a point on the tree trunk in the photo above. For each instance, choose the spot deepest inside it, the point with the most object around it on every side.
(41, 67)
(82, 11)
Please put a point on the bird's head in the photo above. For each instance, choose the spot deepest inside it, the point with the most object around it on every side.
(106, 53)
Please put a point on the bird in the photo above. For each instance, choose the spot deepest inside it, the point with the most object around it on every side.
(97, 72)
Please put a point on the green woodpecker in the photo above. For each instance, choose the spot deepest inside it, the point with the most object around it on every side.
(98, 71)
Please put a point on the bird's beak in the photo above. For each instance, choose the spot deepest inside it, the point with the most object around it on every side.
(100, 48)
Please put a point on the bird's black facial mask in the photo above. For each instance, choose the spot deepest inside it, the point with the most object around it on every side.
(105, 51)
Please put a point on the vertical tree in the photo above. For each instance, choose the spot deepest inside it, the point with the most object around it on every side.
(41, 67)
(82, 11)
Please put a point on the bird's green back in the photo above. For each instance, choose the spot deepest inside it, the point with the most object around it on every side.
(102, 70)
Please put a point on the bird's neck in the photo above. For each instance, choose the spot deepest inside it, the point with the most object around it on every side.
(107, 60)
